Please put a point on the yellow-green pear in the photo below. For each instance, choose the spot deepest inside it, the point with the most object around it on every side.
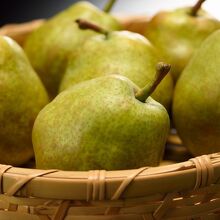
(196, 105)
(103, 123)
(177, 34)
(22, 96)
(50, 45)
(121, 52)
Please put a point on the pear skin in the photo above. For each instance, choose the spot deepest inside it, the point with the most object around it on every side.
(196, 104)
(177, 34)
(22, 96)
(120, 52)
(50, 45)
(101, 124)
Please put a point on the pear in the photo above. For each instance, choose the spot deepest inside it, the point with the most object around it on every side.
(122, 52)
(103, 123)
(196, 105)
(22, 96)
(177, 34)
(49, 46)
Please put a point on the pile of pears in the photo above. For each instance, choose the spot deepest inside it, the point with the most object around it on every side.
(85, 94)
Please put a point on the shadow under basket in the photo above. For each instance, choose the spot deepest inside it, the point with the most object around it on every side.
(185, 190)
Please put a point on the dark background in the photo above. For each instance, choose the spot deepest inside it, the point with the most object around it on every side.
(17, 11)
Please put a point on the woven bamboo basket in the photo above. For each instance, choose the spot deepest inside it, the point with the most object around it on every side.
(185, 190)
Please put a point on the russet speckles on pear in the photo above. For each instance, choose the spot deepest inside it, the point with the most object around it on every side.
(103, 126)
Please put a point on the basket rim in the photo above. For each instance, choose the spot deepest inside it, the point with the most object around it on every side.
(74, 185)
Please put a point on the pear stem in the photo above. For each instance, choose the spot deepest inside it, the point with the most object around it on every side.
(109, 6)
(161, 71)
(196, 7)
(87, 25)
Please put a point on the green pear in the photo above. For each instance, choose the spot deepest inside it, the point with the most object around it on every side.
(103, 123)
(22, 96)
(49, 46)
(127, 53)
(177, 34)
(196, 105)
